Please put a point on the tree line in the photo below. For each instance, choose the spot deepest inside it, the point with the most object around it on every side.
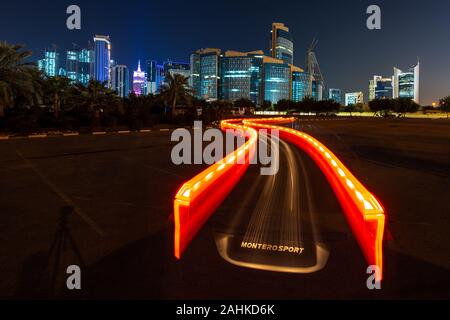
(31, 101)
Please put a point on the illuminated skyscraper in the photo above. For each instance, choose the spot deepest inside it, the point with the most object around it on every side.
(277, 77)
(235, 75)
(206, 64)
(194, 80)
(72, 65)
(49, 65)
(172, 68)
(139, 81)
(380, 88)
(256, 73)
(335, 95)
(79, 65)
(102, 49)
(160, 79)
(151, 77)
(354, 98)
(85, 66)
(406, 84)
(120, 80)
(300, 85)
(282, 46)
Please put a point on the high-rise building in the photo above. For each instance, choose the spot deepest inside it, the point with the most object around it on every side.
(173, 68)
(194, 80)
(406, 84)
(235, 75)
(151, 77)
(72, 65)
(49, 65)
(139, 81)
(300, 84)
(256, 76)
(79, 65)
(384, 89)
(354, 98)
(277, 80)
(206, 64)
(160, 78)
(380, 88)
(120, 80)
(102, 49)
(282, 45)
(250, 75)
(335, 95)
(85, 66)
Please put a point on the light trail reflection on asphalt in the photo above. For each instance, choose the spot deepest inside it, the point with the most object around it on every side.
(281, 233)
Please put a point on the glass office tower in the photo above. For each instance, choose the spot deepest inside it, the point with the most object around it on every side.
(277, 82)
(181, 68)
(209, 73)
(300, 85)
(152, 87)
(194, 80)
(120, 80)
(72, 65)
(383, 89)
(282, 45)
(406, 84)
(49, 65)
(102, 49)
(235, 76)
(335, 95)
(354, 98)
(256, 71)
(85, 66)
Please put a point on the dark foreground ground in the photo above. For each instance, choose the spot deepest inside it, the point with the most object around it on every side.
(122, 186)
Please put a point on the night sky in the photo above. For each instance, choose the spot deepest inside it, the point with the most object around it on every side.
(348, 53)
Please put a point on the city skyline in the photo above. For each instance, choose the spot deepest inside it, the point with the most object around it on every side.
(156, 39)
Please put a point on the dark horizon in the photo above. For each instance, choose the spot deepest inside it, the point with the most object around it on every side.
(349, 54)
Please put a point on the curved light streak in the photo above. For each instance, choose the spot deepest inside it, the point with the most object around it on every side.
(363, 211)
(198, 198)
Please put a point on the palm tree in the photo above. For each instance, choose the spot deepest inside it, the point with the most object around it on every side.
(17, 77)
(176, 90)
(56, 89)
(97, 97)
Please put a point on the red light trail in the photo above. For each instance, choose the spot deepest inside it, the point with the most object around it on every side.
(197, 199)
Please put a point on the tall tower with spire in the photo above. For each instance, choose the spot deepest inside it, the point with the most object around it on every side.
(139, 81)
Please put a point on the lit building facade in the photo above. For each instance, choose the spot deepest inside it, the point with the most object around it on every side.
(383, 89)
(49, 65)
(194, 80)
(277, 80)
(236, 76)
(173, 68)
(335, 95)
(72, 65)
(120, 80)
(251, 75)
(300, 85)
(354, 98)
(380, 88)
(139, 81)
(282, 45)
(152, 87)
(85, 66)
(102, 65)
(205, 66)
(79, 65)
(256, 76)
(406, 84)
